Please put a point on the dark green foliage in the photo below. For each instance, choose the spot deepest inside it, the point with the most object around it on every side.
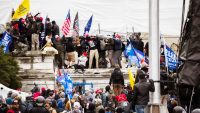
(8, 71)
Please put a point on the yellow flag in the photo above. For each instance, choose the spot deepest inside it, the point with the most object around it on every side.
(131, 78)
(22, 10)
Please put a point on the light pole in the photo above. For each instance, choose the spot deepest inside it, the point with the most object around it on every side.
(154, 54)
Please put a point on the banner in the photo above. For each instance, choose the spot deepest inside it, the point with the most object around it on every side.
(6, 41)
(170, 58)
(67, 82)
(134, 56)
(22, 10)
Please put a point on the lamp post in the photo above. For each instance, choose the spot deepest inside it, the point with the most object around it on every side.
(154, 54)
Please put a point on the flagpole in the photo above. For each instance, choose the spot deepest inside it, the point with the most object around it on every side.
(99, 29)
(154, 53)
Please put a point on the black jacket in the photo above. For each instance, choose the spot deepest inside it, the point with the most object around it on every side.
(141, 92)
(39, 110)
(117, 77)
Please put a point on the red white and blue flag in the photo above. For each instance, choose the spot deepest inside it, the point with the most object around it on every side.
(66, 26)
(76, 25)
(134, 56)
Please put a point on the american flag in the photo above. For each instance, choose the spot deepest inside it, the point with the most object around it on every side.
(66, 26)
(76, 25)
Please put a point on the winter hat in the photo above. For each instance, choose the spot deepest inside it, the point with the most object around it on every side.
(9, 101)
(98, 91)
(196, 111)
(62, 95)
(41, 19)
(85, 54)
(117, 36)
(43, 89)
(77, 105)
(98, 101)
(40, 100)
(13, 95)
(179, 109)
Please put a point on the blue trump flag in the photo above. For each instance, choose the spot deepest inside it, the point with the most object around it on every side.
(134, 56)
(88, 26)
(67, 83)
(170, 58)
(6, 41)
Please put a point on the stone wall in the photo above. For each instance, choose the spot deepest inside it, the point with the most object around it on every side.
(33, 70)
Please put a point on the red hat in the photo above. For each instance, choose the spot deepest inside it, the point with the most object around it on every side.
(117, 36)
(41, 19)
(15, 26)
(98, 91)
(84, 54)
(43, 89)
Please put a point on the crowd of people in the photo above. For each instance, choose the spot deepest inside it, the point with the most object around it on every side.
(35, 33)
(117, 97)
